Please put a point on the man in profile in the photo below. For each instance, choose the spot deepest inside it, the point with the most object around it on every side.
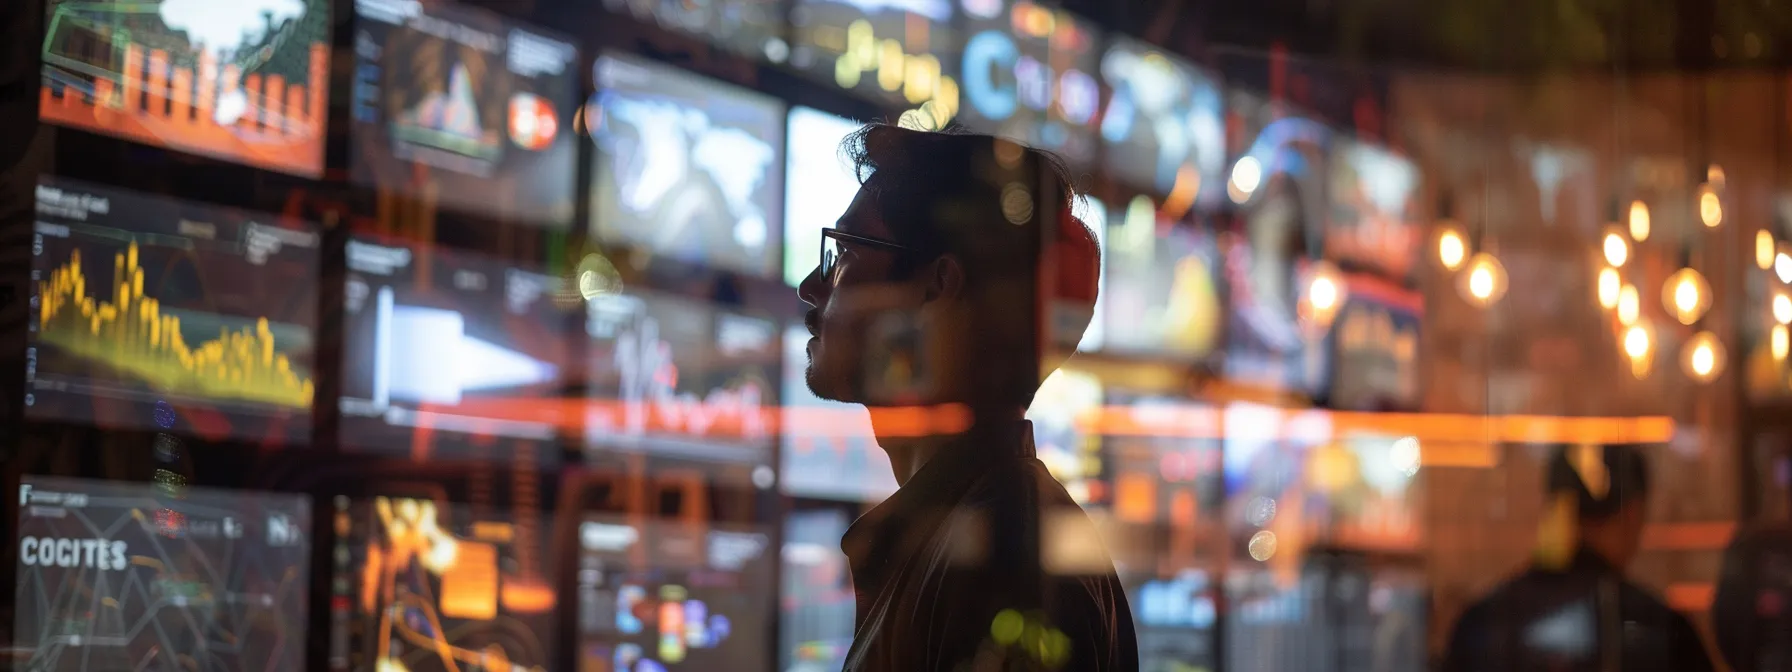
(930, 293)
(1574, 610)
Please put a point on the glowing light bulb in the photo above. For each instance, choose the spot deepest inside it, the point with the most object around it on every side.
(1636, 342)
(1686, 295)
(1485, 281)
(1639, 221)
(1711, 208)
(1247, 175)
(1451, 249)
(1608, 287)
(1782, 266)
(1782, 309)
(1781, 341)
(1702, 358)
(1323, 293)
(1630, 305)
(1480, 283)
(1764, 249)
(1617, 250)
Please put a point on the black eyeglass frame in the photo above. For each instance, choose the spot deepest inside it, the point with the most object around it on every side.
(827, 265)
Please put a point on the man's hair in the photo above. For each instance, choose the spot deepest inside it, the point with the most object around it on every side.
(1623, 479)
(950, 192)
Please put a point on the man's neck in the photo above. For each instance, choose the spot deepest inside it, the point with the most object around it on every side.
(909, 453)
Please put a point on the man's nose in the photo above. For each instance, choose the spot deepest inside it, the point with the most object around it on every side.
(812, 290)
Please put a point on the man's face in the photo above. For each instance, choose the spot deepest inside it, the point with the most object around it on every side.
(846, 307)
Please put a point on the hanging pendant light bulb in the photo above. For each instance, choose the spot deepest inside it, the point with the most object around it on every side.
(1702, 358)
(1323, 295)
(1483, 281)
(1639, 347)
(1615, 247)
(1452, 246)
(1639, 221)
(1779, 342)
(1711, 208)
(1609, 282)
(1782, 308)
(1630, 305)
(1686, 295)
(1764, 249)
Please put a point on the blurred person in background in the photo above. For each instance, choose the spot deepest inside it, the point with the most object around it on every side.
(1751, 615)
(1573, 609)
(926, 296)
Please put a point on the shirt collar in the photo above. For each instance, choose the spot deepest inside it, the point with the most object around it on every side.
(936, 487)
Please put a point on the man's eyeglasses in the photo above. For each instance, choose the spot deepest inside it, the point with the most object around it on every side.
(832, 239)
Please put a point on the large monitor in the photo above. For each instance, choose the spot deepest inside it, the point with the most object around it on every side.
(431, 586)
(1161, 282)
(243, 81)
(750, 28)
(819, 185)
(682, 378)
(669, 597)
(444, 351)
(817, 610)
(460, 106)
(135, 576)
(901, 53)
(1163, 124)
(1372, 220)
(828, 451)
(686, 167)
(1176, 620)
(156, 313)
(1029, 74)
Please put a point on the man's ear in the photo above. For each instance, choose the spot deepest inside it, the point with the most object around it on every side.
(945, 278)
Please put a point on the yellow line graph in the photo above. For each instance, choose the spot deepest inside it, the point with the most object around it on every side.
(130, 333)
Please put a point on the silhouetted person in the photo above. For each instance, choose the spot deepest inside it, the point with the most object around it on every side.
(1751, 616)
(927, 295)
(1573, 610)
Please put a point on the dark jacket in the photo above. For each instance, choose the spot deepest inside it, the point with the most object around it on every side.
(1584, 618)
(982, 561)
(1752, 614)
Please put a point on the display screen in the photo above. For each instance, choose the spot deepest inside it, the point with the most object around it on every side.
(686, 167)
(442, 351)
(1062, 411)
(682, 378)
(828, 451)
(1029, 73)
(1371, 223)
(666, 597)
(428, 586)
(819, 185)
(1176, 620)
(818, 607)
(164, 314)
(1375, 348)
(243, 81)
(459, 106)
(1163, 125)
(1161, 283)
(751, 28)
(135, 576)
(899, 52)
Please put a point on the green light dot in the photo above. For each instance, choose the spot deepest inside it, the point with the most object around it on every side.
(1057, 649)
(1006, 627)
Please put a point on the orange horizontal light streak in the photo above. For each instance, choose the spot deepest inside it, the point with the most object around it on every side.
(1191, 421)
(526, 597)
(1688, 536)
(1690, 597)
